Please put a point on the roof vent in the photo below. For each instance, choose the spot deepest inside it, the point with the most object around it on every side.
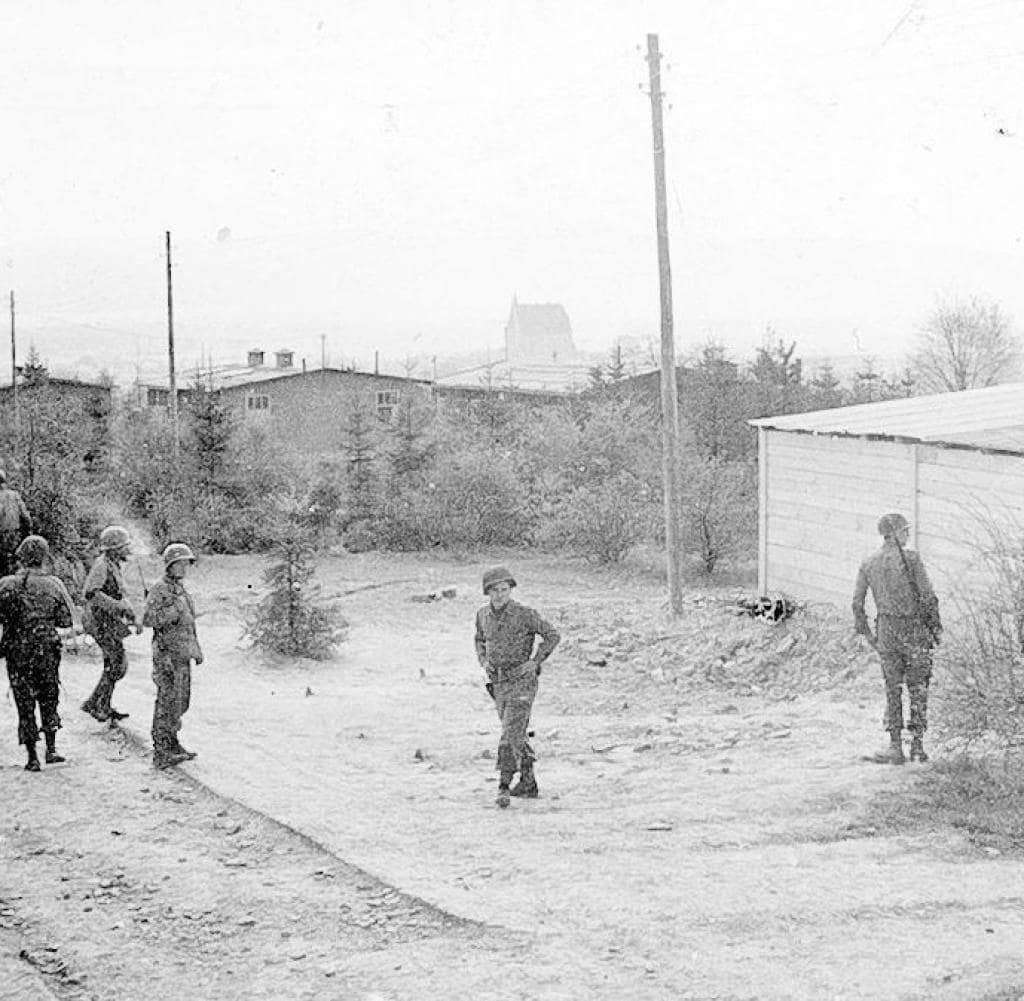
(255, 358)
(284, 358)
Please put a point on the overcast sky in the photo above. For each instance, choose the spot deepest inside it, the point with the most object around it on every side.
(387, 174)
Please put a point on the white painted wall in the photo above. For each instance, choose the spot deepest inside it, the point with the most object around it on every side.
(822, 496)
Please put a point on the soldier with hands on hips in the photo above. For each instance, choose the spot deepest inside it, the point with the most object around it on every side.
(508, 651)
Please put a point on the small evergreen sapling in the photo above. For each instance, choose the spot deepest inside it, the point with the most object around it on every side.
(291, 619)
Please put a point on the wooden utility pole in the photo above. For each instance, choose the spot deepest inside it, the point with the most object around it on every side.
(172, 382)
(14, 369)
(669, 402)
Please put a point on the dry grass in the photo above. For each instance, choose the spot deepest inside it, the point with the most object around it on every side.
(982, 798)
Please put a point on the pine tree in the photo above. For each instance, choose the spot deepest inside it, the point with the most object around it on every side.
(291, 618)
(361, 446)
(211, 426)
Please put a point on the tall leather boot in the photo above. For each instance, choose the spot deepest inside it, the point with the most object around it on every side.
(33, 758)
(52, 757)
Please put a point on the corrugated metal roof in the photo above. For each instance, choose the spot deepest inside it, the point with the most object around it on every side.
(991, 418)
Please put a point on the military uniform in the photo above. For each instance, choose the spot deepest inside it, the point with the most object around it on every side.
(172, 616)
(908, 627)
(106, 619)
(15, 524)
(505, 642)
(33, 606)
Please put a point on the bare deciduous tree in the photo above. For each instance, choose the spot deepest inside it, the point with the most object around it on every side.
(966, 345)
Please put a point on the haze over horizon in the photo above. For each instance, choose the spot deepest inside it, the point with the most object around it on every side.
(354, 179)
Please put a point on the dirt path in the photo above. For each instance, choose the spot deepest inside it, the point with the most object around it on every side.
(683, 847)
(123, 883)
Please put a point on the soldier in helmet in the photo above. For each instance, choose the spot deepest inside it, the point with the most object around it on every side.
(907, 628)
(15, 524)
(172, 616)
(33, 606)
(109, 618)
(506, 637)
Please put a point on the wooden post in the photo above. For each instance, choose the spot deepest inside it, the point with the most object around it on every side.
(669, 401)
(14, 369)
(170, 350)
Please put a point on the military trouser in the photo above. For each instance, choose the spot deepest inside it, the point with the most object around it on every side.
(905, 650)
(513, 699)
(173, 678)
(115, 667)
(35, 680)
(8, 544)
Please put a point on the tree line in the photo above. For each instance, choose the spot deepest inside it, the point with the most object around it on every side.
(581, 477)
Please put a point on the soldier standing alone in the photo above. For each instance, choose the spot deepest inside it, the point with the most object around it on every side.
(172, 617)
(33, 606)
(506, 633)
(908, 627)
(108, 618)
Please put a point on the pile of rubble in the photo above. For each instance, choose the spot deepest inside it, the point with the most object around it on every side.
(717, 644)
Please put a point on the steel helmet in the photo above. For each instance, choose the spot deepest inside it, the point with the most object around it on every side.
(497, 575)
(890, 524)
(33, 550)
(114, 537)
(178, 551)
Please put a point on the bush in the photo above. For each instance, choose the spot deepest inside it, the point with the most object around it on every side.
(290, 619)
(408, 520)
(982, 659)
(719, 508)
(605, 521)
(325, 504)
(477, 500)
(219, 491)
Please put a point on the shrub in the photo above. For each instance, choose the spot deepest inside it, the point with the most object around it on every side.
(605, 521)
(476, 499)
(982, 658)
(719, 508)
(325, 503)
(291, 619)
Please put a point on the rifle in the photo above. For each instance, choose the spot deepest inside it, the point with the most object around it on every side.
(918, 600)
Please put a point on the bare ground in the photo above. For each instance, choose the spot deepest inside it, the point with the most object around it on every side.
(698, 836)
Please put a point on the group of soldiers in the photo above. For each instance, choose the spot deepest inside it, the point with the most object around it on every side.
(512, 643)
(35, 606)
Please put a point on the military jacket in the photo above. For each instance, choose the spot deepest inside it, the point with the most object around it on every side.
(505, 639)
(889, 579)
(172, 616)
(103, 590)
(33, 606)
(14, 516)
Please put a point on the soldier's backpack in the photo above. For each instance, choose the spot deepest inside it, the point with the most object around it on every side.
(24, 629)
